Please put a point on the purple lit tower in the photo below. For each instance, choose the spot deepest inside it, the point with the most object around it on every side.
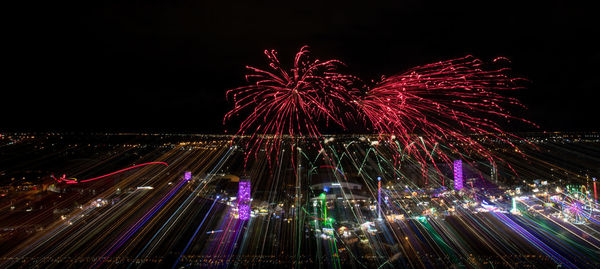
(187, 176)
(458, 175)
(244, 199)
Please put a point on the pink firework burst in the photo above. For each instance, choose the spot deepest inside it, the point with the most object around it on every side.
(449, 102)
(281, 102)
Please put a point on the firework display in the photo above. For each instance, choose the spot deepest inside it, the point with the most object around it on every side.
(426, 112)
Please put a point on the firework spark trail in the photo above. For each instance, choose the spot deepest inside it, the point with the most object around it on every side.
(284, 102)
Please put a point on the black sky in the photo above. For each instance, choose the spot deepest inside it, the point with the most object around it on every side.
(165, 65)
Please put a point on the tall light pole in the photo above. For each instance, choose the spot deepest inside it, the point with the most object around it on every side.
(379, 197)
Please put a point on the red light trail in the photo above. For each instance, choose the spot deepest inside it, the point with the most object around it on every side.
(64, 179)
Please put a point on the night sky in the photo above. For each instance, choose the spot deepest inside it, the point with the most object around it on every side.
(164, 66)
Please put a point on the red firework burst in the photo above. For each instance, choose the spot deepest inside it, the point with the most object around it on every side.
(446, 102)
(291, 102)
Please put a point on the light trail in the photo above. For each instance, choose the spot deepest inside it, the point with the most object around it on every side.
(134, 228)
(195, 233)
(73, 180)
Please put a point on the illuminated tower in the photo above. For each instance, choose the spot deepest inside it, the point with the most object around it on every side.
(244, 199)
(187, 176)
(458, 175)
